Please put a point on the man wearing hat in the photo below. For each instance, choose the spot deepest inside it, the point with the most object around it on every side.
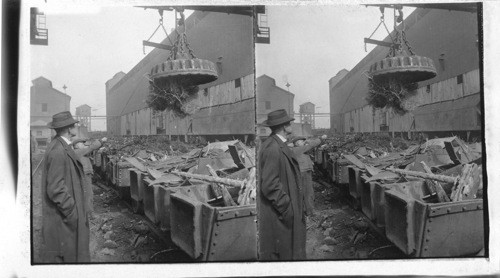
(300, 146)
(83, 148)
(65, 228)
(282, 228)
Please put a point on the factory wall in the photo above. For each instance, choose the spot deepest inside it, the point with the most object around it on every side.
(221, 109)
(271, 97)
(459, 102)
(335, 119)
(450, 39)
(45, 101)
(225, 39)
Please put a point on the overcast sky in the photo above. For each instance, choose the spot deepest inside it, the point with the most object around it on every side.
(90, 44)
(309, 45)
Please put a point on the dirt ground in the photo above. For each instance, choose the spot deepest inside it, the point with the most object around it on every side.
(338, 232)
(116, 233)
(335, 232)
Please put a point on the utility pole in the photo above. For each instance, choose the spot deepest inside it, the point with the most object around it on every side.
(65, 87)
(290, 109)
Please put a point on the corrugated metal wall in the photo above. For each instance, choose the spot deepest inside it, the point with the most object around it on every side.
(218, 37)
(364, 120)
(219, 106)
(450, 115)
(448, 37)
(233, 118)
(228, 92)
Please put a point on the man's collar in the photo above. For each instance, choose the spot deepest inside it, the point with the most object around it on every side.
(66, 140)
(281, 137)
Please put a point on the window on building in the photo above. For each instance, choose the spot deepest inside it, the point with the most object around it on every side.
(428, 89)
(44, 107)
(460, 79)
(268, 105)
(41, 142)
(237, 83)
(383, 118)
(39, 133)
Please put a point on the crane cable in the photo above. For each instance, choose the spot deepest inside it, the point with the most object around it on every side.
(160, 24)
(382, 21)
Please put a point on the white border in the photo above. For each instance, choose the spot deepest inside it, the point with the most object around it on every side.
(18, 242)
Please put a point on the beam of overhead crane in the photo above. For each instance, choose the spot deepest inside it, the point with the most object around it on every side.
(462, 7)
(241, 10)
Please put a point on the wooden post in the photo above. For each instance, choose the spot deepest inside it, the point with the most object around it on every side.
(226, 181)
(458, 189)
(468, 184)
(441, 178)
(442, 197)
(221, 189)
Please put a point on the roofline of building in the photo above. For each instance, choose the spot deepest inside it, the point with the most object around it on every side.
(284, 90)
(344, 69)
(265, 75)
(115, 76)
(84, 105)
(40, 77)
(276, 86)
(66, 95)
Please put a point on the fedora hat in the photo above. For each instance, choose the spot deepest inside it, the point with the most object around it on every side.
(62, 119)
(277, 117)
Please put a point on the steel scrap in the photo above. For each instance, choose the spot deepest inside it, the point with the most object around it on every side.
(220, 163)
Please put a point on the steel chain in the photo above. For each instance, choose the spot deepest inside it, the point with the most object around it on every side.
(181, 44)
(403, 35)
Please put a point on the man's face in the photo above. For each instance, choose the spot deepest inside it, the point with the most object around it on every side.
(72, 131)
(288, 128)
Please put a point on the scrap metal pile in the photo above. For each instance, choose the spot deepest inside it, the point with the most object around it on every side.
(447, 157)
(392, 81)
(159, 146)
(365, 146)
(413, 194)
(188, 191)
(174, 83)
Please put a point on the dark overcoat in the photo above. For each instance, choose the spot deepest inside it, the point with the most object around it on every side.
(65, 227)
(281, 221)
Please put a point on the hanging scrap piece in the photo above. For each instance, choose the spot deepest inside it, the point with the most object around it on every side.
(174, 83)
(393, 80)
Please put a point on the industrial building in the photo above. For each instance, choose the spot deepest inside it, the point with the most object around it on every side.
(447, 104)
(83, 114)
(306, 113)
(271, 97)
(45, 101)
(224, 108)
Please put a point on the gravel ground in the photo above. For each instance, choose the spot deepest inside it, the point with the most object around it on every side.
(116, 233)
(338, 232)
(335, 232)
